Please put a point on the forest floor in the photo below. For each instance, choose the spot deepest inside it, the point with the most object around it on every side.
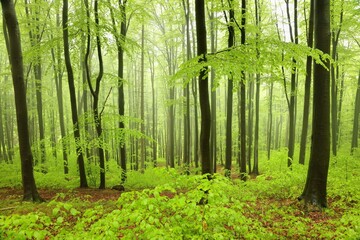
(162, 203)
(280, 217)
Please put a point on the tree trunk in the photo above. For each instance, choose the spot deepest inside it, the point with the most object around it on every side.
(229, 102)
(355, 131)
(96, 92)
(35, 38)
(270, 121)
(306, 111)
(187, 135)
(341, 94)
(142, 101)
(17, 71)
(203, 88)
(79, 152)
(292, 102)
(58, 74)
(256, 136)
(257, 95)
(250, 126)
(315, 187)
(334, 89)
(243, 102)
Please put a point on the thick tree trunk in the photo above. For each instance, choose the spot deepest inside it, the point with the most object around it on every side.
(203, 88)
(17, 71)
(79, 152)
(315, 187)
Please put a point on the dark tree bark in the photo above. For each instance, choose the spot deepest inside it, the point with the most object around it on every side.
(315, 187)
(309, 62)
(121, 97)
(17, 71)
(95, 92)
(120, 41)
(257, 95)
(243, 101)
(80, 158)
(292, 102)
(203, 88)
(229, 102)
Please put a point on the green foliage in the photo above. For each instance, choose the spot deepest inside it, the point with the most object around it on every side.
(164, 203)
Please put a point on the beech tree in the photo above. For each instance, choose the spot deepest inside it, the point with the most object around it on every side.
(229, 104)
(74, 114)
(309, 60)
(316, 182)
(17, 71)
(203, 88)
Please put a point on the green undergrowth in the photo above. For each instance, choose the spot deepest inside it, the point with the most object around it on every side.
(164, 204)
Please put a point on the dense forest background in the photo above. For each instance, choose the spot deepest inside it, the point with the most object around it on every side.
(145, 96)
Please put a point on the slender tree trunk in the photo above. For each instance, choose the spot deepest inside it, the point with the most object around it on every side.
(58, 74)
(187, 134)
(270, 121)
(256, 136)
(213, 135)
(35, 38)
(203, 88)
(17, 71)
(306, 111)
(79, 152)
(316, 182)
(142, 100)
(250, 126)
(229, 102)
(355, 131)
(334, 89)
(154, 111)
(96, 92)
(257, 95)
(243, 101)
(292, 102)
(121, 98)
(341, 95)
